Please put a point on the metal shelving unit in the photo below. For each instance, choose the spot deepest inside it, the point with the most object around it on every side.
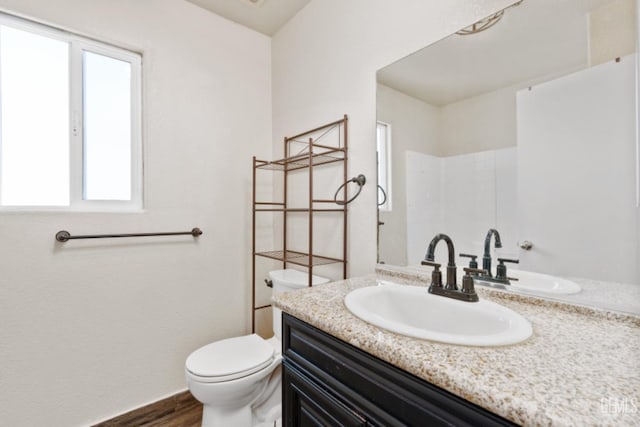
(314, 153)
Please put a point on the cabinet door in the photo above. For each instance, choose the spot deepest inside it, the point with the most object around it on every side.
(306, 404)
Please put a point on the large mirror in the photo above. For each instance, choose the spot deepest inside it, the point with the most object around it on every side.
(529, 127)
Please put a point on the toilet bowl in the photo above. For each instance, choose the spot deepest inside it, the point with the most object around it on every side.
(238, 380)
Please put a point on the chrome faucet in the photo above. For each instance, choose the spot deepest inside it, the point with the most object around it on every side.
(486, 257)
(467, 293)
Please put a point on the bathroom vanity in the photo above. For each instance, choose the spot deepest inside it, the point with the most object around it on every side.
(579, 367)
(328, 382)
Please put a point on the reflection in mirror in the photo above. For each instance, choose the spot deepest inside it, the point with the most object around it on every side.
(530, 128)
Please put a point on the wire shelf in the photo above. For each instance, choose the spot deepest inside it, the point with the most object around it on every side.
(298, 162)
(303, 210)
(299, 258)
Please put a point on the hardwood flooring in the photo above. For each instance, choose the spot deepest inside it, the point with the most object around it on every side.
(180, 410)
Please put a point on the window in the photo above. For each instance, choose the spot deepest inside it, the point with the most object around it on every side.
(70, 133)
(383, 138)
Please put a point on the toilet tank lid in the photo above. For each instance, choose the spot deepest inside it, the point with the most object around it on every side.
(230, 356)
(295, 278)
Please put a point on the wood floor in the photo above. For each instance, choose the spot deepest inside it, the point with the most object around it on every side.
(180, 410)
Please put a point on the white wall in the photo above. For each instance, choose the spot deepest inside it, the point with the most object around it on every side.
(638, 135)
(483, 122)
(324, 65)
(91, 329)
(415, 126)
(582, 223)
(425, 210)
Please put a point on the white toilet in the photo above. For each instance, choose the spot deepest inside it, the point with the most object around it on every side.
(238, 379)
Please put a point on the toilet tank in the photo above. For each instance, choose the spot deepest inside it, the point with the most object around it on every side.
(289, 280)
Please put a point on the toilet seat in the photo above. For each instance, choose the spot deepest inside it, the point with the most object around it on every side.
(230, 359)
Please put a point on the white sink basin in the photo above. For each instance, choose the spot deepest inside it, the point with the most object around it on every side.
(414, 312)
(538, 283)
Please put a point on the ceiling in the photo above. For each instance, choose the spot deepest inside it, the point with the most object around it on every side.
(265, 16)
(536, 38)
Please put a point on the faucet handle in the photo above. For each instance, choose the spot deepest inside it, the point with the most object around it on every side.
(431, 264)
(467, 280)
(472, 262)
(501, 269)
(436, 275)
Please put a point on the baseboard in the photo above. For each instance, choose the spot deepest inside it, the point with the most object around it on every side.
(169, 408)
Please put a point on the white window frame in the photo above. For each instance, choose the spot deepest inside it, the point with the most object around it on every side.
(383, 149)
(78, 45)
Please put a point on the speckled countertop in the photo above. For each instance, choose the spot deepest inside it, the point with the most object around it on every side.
(580, 367)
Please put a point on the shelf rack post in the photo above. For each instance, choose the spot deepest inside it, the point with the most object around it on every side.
(310, 282)
(253, 249)
(344, 212)
(285, 176)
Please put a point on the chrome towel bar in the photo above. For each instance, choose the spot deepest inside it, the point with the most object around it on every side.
(63, 235)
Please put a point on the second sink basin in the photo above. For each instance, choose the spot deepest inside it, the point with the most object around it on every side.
(538, 283)
(413, 311)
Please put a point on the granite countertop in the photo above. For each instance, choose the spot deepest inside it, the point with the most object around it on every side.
(580, 367)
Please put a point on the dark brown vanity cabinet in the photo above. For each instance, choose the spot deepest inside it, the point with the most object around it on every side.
(327, 382)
